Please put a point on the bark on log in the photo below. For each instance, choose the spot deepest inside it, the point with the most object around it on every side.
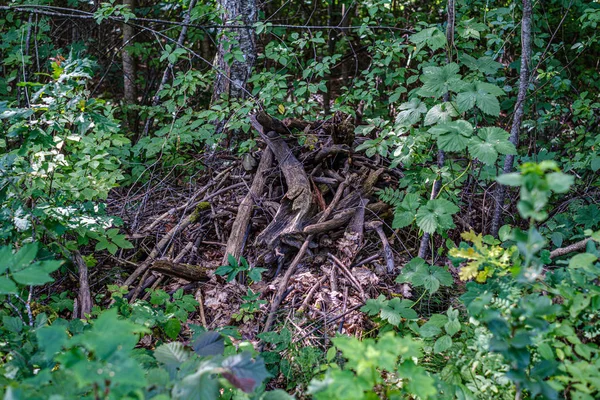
(192, 273)
(238, 229)
(84, 297)
(569, 249)
(296, 205)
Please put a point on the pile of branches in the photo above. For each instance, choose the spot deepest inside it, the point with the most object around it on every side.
(309, 214)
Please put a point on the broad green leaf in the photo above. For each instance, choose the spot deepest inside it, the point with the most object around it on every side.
(51, 339)
(396, 309)
(244, 372)
(452, 326)
(197, 386)
(559, 182)
(172, 328)
(404, 214)
(22, 258)
(410, 112)
(171, 355)
(440, 113)
(511, 179)
(439, 80)
(480, 94)
(436, 214)
(583, 260)
(452, 136)
(7, 286)
(442, 344)
(277, 394)
(485, 64)
(6, 258)
(209, 344)
(490, 142)
(431, 37)
(37, 273)
(595, 163)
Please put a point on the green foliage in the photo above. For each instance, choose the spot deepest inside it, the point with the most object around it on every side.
(234, 268)
(76, 360)
(249, 307)
(420, 274)
(20, 268)
(362, 375)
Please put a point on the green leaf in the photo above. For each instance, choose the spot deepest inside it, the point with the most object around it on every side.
(490, 142)
(559, 182)
(172, 328)
(22, 258)
(197, 386)
(172, 355)
(429, 330)
(277, 394)
(244, 372)
(440, 113)
(452, 136)
(51, 339)
(404, 214)
(37, 273)
(595, 163)
(209, 344)
(7, 286)
(442, 344)
(512, 179)
(373, 306)
(431, 37)
(410, 112)
(6, 258)
(439, 80)
(436, 214)
(485, 64)
(480, 94)
(583, 261)
(452, 326)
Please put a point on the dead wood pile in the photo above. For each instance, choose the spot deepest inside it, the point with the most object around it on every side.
(308, 213)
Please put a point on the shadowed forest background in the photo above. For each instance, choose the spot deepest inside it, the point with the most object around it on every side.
(326, 199)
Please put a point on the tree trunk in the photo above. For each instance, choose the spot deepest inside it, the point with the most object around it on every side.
(232, 74)
(129, 70)
(519, 110)
(437, 185)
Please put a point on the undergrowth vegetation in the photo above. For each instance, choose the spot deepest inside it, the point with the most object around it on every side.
(476, 297)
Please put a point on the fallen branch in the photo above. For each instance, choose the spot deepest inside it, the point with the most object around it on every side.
(337, 262)
(387, 249)
(570, 249)
(84, 297)
(240, 225)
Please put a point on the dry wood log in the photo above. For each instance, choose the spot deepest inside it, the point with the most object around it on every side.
(84, 297)
(337, 221)
(296, 205)
(330, 151)
(192, 273)
(240, 225)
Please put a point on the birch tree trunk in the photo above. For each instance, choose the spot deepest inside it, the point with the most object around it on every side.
(233, 73)
(519, 110)
(129, 70)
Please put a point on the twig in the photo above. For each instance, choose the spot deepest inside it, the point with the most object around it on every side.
(311, 293)
(348, 274)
